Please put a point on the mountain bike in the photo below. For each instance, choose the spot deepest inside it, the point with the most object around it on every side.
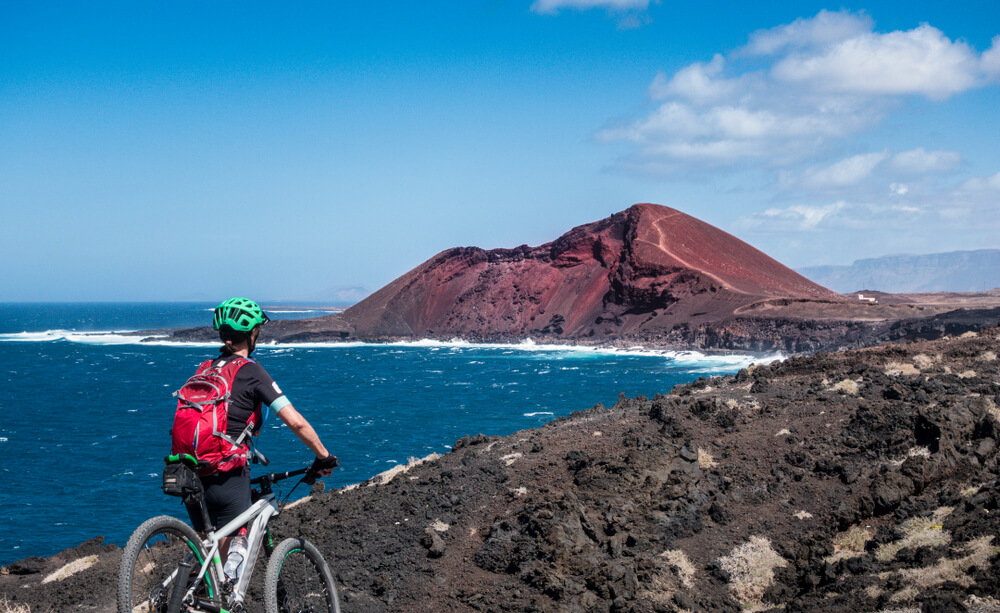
(167, 567)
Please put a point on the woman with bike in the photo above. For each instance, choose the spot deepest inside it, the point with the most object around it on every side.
(253, 395)
(166, 567)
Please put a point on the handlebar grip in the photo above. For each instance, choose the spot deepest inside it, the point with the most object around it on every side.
(328, 463)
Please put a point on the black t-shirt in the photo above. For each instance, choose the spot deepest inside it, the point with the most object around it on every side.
(252, 387)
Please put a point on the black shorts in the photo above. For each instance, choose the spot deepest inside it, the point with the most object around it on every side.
(226, 495)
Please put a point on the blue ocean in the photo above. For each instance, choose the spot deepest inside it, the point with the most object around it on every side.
(86, 407)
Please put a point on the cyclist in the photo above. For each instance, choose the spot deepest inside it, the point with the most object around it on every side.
(254, 393)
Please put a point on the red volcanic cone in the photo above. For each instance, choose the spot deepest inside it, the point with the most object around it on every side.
(647, 268)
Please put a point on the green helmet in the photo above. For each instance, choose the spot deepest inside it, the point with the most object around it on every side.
(240, 314)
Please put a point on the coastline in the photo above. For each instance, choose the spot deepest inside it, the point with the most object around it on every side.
(786, 330)
(609, 348)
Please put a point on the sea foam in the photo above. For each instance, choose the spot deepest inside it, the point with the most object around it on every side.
(94, 338)
(693, 361)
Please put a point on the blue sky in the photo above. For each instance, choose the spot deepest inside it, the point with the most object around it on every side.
(171, 151)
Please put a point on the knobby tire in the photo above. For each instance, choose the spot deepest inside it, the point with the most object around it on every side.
(152, 554)
(299, 579)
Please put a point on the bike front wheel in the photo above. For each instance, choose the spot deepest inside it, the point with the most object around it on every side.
(150, 562)
(299, 580)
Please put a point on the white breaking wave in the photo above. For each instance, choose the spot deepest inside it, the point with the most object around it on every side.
(693, 361)
(326, 311)
(128, 337)
(536, 413)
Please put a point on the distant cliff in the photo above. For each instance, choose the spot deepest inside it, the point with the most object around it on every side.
(956, 271)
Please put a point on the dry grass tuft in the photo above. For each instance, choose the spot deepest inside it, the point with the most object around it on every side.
(705, 459)
(751, 570)
(847, 386)
(850, 543)
(991, 407)
(897, 368)
(984, 604)
(917, 532)
(680, 562)
(971, 491)
(923, 452)
(674, 570)
(988, 356)
(967, 374)
(923, 361)
(978, 552)
(904, 595)
(6, 606)
(803, 515)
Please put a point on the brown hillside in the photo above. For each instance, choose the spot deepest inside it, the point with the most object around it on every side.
(644, 268)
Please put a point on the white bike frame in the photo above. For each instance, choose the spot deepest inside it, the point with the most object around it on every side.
(261, 512)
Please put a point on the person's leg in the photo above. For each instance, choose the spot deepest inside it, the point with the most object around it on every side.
(227, 497)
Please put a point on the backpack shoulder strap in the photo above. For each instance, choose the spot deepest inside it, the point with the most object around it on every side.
(230, 366)
(228, 370)
(204, 366)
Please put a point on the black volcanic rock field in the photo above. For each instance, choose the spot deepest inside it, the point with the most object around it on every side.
(649, 274)
(864, 480)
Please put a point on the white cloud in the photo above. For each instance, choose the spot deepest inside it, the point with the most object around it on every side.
(838, 218)
(866, 174)
(553, 6)
(919, 61)
(697, 82)
(797, 89)
(825, 28)
(983, 184)
(847, 172)
(991, 60)
(917, 161)
(803, 217)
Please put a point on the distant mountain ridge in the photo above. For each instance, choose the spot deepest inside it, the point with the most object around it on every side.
(955, 271)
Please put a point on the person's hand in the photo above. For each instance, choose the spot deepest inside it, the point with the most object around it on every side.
(321, 467)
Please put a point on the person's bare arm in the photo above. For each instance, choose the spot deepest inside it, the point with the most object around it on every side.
(298, 424)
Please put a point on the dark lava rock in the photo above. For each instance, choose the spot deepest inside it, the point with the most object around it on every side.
(887, 499)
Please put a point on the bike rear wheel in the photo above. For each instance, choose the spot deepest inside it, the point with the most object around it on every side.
(150, 561)
(299, 580)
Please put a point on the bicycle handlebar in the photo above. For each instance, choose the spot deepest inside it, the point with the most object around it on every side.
(270, 478)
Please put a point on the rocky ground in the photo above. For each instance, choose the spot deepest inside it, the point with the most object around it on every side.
(866, 480)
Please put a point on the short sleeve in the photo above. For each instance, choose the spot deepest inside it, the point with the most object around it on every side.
(264, 387)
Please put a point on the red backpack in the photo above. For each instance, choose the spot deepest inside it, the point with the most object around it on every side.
(202, 413)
